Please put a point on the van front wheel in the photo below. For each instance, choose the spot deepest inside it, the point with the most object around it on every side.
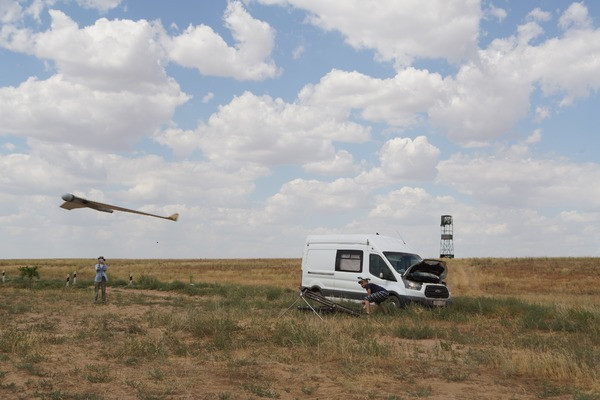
(395, 302)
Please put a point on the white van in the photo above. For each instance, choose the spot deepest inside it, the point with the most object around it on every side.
(332, 264)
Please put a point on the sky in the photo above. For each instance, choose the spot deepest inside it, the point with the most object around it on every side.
(263, 121)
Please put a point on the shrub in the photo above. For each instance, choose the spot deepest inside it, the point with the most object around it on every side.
(29, 273)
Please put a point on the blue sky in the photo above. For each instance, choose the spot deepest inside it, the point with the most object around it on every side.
(263, 121)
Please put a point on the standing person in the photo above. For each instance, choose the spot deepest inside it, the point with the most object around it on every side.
(375, 294)
(101, 279)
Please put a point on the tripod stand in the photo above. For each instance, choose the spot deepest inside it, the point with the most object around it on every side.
(329, 305)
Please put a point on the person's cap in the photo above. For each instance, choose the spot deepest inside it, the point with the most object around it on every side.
(101, 258)
(360, 279)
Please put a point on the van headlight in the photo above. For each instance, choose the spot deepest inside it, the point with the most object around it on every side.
(412, 285)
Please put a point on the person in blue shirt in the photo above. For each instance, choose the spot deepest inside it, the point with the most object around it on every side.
(375, 294)
(100, 279)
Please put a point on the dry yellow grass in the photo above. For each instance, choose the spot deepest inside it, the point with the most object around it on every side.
(519, 329)
(568, 281)
(572, 280)
(283, 272)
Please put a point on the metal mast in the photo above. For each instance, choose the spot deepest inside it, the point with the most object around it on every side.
(446, 237)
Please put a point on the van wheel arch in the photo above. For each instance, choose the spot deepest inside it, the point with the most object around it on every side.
(396, 301)
(317, 290)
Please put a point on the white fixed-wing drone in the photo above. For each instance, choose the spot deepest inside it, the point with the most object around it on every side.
(72, 202)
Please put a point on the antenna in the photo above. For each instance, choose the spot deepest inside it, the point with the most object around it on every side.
(447, 237)
(400, 236)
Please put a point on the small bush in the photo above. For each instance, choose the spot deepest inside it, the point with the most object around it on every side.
(29, 273)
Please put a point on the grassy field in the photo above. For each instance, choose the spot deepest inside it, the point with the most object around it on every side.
(218, 329)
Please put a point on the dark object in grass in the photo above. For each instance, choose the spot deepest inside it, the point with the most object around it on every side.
(319, 309)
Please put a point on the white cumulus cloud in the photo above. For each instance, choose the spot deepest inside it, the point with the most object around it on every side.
(261, 129)
(399, 32)
(202, 48)
(100, 5)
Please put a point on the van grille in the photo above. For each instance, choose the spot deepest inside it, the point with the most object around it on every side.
(437, 292)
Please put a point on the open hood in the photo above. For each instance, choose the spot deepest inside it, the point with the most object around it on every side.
(427, 271)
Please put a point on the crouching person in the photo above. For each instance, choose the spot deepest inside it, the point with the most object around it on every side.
(375, 294)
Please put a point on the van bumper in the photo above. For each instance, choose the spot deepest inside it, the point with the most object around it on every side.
(428, 302)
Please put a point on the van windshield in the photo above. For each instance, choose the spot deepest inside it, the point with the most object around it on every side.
(402, 261)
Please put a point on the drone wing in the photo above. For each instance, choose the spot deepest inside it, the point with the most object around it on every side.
(72, 202)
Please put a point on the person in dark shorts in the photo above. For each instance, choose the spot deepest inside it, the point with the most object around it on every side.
(375, 294)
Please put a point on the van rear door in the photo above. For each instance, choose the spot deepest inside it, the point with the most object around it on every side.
(318, 269)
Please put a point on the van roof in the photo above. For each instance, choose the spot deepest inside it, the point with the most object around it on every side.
(383, 243)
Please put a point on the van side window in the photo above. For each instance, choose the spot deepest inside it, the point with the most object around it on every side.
(349, 260)
(378, 268)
